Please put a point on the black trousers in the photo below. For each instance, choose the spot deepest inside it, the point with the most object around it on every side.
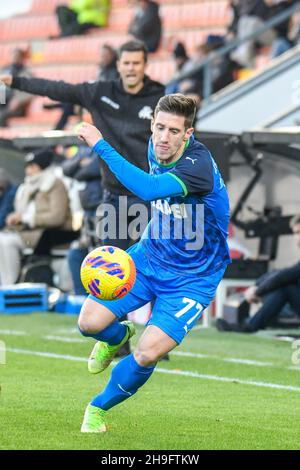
(54, 237)
(273, 304)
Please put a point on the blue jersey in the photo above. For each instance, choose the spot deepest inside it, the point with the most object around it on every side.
(188, 233)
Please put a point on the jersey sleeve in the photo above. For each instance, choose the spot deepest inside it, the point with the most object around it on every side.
(195, 173)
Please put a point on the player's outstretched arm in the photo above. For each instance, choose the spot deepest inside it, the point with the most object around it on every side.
(145, 186)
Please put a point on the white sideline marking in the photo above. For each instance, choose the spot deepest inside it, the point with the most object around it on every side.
(13, 332)
(228, 379)
(68, 331)
(167, 371)
(63, 339)
(234, 360)
(46, 354)
(294, 368)
(224, 359)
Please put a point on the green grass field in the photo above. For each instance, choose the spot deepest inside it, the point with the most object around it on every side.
(218, 391)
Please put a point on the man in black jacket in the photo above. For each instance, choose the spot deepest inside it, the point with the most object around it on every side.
(276, 289)
(121, 108)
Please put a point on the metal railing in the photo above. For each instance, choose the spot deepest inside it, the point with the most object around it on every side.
(206, 64)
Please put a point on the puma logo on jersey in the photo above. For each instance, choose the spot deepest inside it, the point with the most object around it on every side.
(193, 160)
(146, 113)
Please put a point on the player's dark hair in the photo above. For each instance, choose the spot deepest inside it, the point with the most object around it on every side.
(134, 46)
(180, 105)
(295, 221)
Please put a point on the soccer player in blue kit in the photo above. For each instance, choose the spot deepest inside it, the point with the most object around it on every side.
(180, 259)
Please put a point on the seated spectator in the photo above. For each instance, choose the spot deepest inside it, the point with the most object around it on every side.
(182, 64)
(276, 289)
(16, 101)
(146, 24)
(222, 69)
(181, 58)
(84, 166)
(251, 16)
(281, 43)
(108, 64)
(41, 203)
(81, 15)
(7, 196)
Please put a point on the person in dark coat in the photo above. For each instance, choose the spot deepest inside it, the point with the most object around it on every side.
(146, 24)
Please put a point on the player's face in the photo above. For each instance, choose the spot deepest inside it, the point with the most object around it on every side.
(169, 136)
(296, 232)
(131, 67)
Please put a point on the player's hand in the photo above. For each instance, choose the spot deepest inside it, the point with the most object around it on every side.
(89, 134)
(6, 79)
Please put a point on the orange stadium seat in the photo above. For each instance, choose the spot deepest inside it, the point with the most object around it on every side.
(45, 6)
(38, 116)
(195, 15)
(78, 49)
(161, 71)
(26, 28)
(70, 73)
(6, 53)
(119, 19)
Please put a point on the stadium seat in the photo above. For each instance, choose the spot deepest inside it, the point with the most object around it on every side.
(161, 70)
(70, 73)
(27, 28)
(195, 15)
(45, 6)
(78, 49)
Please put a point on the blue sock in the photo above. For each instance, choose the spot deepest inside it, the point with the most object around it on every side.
(112, 335)
(125, 380)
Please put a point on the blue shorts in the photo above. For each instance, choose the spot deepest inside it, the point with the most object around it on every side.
(179, 301)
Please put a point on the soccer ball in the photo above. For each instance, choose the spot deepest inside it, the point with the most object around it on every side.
(108, 273)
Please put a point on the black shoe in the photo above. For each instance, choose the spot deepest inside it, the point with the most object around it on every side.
(223, 325)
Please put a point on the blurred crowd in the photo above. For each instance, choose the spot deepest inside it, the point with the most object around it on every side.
(146, 25)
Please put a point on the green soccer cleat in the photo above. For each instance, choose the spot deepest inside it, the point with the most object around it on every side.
(94, 420)
(102, 353)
